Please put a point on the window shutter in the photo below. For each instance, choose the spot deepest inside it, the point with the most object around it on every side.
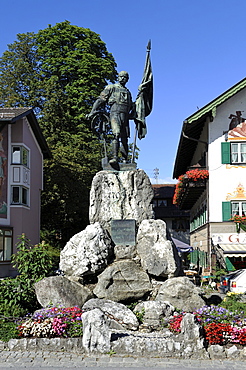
(225, 153)
(226, 211)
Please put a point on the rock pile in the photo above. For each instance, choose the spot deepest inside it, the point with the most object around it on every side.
(95, 266)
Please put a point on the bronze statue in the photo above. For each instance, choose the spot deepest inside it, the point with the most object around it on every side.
(122, 109)
(119, 98)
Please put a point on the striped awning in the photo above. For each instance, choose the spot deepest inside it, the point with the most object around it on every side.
(234, 250)
(181, 246)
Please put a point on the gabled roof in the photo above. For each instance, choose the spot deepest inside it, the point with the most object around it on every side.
(163, 190)
(11, 115)
(193, 125)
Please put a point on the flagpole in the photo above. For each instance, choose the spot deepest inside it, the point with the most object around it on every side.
(135, 135)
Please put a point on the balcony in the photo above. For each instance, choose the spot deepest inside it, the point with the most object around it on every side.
(189, 188)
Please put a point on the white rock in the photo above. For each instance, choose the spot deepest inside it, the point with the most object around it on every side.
(120, 195)
(87, 252)
(117, 314)
(96, 333)
(158, 256)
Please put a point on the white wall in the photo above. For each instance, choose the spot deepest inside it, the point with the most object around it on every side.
(223, 179)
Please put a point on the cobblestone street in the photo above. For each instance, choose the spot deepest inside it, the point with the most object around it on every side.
(57, 360)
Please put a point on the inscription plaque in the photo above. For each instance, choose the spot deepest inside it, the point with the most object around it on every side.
(123, 232)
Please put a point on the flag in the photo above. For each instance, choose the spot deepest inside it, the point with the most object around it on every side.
(144, 101)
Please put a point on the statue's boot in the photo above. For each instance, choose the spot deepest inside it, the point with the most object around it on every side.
(115, 150)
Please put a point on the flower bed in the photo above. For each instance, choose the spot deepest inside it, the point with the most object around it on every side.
(53, 322)
(221, 326)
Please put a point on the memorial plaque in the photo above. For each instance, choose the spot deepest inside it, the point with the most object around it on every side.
(123, 232)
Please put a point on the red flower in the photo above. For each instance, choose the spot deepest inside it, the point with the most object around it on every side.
(192, 175)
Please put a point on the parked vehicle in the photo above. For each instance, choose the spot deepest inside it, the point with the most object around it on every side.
(234, 282)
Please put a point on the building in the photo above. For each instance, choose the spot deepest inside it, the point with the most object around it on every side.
(177, 221)
(22, 150)
(211, 167)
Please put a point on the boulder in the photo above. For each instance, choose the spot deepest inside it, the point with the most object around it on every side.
(120, 195)
(58, 290)
(121, 281)
(181, 293)
(118, 315)
(154, 312)
(86, 253)
(158, 256)
(125, 252)
(96, 333)
(191, 329)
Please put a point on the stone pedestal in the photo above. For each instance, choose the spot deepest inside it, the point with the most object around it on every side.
(123, 248)
(120, 195)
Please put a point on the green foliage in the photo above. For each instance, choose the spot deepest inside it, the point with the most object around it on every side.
(8, 330)
(220, 272)
(232, 302)
(60, 71)
(140, 315)
(17, 295)
(132, 305)
(75, 329)
(34, 262)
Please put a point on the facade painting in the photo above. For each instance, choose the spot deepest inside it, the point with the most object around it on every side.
(3, 171)
(239, 193)
(237, 126)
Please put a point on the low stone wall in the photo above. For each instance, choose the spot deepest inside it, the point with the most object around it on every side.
(137, 344)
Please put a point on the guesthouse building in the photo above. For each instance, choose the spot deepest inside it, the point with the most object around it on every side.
(210, 167)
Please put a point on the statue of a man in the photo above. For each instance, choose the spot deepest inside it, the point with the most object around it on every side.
(119, 98)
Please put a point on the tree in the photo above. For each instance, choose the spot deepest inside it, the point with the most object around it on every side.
(60, 71)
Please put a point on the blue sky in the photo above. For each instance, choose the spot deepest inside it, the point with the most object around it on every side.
(198, 52)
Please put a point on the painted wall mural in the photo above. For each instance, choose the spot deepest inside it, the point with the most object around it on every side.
(239, 193)
(3, 171)
(237, 126)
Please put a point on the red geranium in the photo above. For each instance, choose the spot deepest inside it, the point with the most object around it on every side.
(192, 175)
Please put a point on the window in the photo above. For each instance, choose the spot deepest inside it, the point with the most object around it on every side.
(199, 219)
(238, 208)
(20, 155)
(20, 195)
(5, 244)
(233, 152)
(160, 202)
(230, 209)
(238, 153)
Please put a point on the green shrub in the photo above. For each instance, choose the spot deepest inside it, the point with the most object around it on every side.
(232, 302)
(35, 262)
(8, 330)
(17, 295)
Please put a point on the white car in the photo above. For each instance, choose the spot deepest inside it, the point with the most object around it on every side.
(237, 283)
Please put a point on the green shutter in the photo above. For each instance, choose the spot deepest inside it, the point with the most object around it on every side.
(225, 153)
(226, 211)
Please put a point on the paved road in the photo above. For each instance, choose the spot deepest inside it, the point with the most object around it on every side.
(57, 360)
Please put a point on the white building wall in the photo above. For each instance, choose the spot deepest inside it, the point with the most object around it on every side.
(223, 179)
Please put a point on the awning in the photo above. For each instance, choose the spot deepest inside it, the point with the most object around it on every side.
(181, 246)
(234, 250)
